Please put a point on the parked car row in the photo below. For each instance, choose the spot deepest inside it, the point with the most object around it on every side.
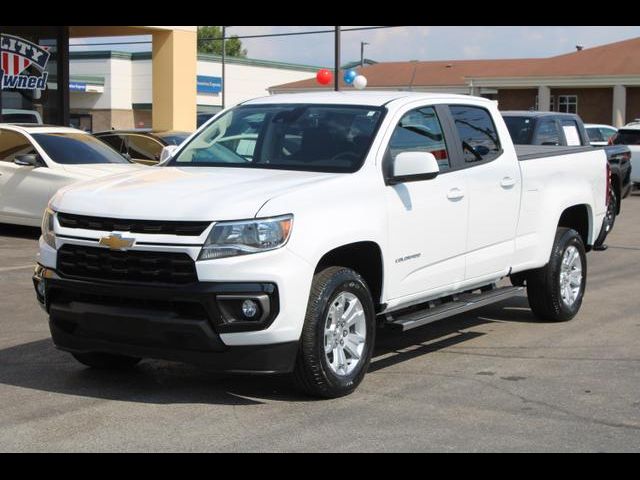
(37, 160)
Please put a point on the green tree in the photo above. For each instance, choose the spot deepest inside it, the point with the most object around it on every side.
(207, 45)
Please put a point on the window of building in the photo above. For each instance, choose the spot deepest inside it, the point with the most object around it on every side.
(420, 131)
(480, 142)
(568, 103)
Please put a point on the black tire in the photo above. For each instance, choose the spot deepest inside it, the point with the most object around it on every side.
(612, 211)
(312, 372)
(544, 286)
(106, 361)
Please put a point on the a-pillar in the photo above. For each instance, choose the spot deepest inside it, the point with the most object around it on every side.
(174, 60)
(619, 105)
(544, 98)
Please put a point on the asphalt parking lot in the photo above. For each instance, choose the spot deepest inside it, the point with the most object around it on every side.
(490, 380)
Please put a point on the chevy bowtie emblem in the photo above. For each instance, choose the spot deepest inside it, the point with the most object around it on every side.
(115, 241)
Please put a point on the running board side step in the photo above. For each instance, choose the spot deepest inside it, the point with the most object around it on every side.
(461, 304)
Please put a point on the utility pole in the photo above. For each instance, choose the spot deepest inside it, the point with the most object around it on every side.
(362, 44)
(336, 72)
(224, 51)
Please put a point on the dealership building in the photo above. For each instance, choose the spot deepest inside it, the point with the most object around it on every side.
(112, 89)
(601, 84)
(163, 89)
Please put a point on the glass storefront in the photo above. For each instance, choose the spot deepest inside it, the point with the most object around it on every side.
(35, 74)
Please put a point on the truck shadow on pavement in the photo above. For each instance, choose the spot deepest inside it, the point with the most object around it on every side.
(39, 365)
(19, 231)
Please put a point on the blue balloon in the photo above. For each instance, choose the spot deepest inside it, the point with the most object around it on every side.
(349, 75)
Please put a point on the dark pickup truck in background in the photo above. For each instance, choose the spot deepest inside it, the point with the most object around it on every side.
(567, 130)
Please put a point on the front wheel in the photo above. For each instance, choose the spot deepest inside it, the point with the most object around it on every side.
(337, 336)
(556, 290)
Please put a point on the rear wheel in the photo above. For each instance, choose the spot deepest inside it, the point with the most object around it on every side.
(106, 361)
(556, 290)
(338, 334)
(612, 211)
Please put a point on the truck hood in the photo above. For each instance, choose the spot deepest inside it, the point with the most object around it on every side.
(98, 170)
(183, 193)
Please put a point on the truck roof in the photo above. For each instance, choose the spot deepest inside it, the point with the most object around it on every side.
(535, 114)
(368, 97)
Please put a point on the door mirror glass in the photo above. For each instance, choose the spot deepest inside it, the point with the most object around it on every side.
(28, 160)
(167, 153)
(414, 166)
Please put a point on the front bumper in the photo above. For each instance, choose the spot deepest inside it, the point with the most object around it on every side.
(179, 323)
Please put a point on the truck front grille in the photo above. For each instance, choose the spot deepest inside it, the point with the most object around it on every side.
(129, 266)
(157, 227)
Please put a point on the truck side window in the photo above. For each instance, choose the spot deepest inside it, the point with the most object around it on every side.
(548, 133)
(420, 131)
(571, 134)
(477, 132)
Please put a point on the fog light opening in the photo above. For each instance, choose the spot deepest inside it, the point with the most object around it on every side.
(249, 308)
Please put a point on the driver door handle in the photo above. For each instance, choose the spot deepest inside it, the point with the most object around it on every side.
(455, 194)
(507, 182)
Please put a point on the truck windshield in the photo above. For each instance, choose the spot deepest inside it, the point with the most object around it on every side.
(520, 129)
(321, 138)
(77, 148)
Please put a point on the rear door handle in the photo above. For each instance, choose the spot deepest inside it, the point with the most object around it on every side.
(507, 182)
(455, 194)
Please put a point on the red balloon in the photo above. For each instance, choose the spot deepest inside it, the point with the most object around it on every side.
(324, 76)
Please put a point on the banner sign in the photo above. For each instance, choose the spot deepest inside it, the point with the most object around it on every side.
(77, 87)
(17, 55)
(209, 84)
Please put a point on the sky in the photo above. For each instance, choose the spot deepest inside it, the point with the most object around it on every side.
(408, 43)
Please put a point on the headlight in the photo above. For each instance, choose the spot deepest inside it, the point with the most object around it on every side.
(48, 235)
(228, 239)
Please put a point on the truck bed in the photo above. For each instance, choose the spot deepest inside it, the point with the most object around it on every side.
(530, 152)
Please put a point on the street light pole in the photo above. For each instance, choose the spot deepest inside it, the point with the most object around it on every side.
(362, 44)
(336, 72)
(224, 51)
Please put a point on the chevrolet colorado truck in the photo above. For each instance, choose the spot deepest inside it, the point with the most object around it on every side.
(287, 229)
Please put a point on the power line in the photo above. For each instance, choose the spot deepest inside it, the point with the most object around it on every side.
(286, 34)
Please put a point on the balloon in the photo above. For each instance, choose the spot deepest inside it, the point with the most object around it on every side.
(324, 76)
(360, 82)
(349, 75)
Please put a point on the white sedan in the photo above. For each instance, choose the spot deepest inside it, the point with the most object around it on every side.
(36, 161)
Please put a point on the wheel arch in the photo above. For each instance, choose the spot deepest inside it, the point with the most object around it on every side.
(364, 257)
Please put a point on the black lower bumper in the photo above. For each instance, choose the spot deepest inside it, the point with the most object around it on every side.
(178, 323)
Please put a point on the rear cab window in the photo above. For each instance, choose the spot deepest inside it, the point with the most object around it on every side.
(477, 132)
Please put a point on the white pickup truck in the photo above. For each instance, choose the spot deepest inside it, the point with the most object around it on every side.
(286, 229)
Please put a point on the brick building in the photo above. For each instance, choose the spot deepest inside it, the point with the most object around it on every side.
(601, 84)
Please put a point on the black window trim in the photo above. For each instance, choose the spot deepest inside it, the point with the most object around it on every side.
(386, 163)
(458, 159)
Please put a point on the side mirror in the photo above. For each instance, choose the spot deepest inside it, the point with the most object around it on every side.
(28, 160)
(127, 156)
(167, 152)
(413, 166)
